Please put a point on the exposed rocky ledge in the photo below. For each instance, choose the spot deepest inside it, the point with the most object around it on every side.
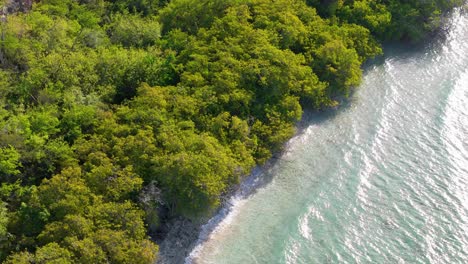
(179, 240)
(15, 6)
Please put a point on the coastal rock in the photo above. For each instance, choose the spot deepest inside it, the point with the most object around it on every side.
(182, 234)
(15, 6)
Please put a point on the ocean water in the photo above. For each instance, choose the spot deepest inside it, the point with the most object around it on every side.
(381, 179)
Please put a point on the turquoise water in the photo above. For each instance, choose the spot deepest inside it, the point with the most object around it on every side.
(382, 179)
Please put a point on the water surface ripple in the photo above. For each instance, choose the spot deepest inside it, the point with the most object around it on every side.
(383, 179)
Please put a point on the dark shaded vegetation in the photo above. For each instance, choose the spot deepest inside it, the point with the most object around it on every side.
(113, 109)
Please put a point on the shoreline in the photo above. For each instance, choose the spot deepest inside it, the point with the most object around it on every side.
(179, 241)
(182, 236)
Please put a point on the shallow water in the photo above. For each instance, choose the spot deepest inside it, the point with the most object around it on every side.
(382, 179)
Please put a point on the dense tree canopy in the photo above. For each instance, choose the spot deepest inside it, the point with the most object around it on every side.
(114, 110)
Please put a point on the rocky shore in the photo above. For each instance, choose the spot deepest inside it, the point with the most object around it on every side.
(180, 236)
(14, 6)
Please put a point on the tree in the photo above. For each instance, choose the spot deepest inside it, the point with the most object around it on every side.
(133, 30)
(3, 220)
(9, 161)
(195, 170)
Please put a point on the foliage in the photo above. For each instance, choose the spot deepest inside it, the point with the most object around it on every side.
(113, 111)
(389, 19)
(3, 220)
